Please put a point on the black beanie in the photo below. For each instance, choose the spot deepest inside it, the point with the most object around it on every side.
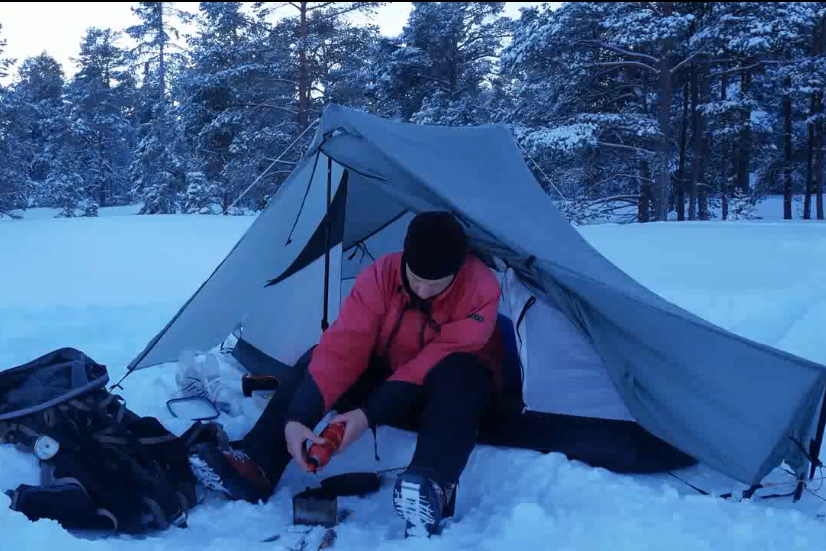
(435, 245)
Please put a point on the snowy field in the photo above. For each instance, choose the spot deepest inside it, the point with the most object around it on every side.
(107, 285)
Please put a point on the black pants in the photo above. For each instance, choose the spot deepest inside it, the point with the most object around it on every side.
(451, 404)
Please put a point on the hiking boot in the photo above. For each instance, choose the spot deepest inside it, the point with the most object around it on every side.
(423, 504)
(232, 472)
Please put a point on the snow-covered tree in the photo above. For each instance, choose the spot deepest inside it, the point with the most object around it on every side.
(39, 88)
(302, 16)
(673, 64)
(14, 152)
(752, 46)
(238, 103)
(15, 149)
(200, 194)
(585, 108)
(440, 68)
(158, 171)
(100, 96)
(338, 59)
(5, 63)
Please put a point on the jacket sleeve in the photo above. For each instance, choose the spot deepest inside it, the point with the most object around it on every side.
(469, 332)
(343, 352)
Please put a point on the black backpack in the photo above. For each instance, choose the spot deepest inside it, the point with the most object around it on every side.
(103, 467)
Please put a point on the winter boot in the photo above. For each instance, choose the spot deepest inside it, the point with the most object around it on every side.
(232, 472)
(423, 504)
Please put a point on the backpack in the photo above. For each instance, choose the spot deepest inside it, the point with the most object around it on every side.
(102, 466)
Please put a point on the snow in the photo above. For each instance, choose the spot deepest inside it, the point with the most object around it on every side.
(107, 285)
(564, 138)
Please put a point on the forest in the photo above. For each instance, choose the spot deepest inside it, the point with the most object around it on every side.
(627, 111)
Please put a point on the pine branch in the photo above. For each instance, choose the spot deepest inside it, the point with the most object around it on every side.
(626, 148)
(266, 105)
(636, 177)
(281, 81)
(626, 96)
(322, 5)
(686, 61)
(752, 66)
(434, 79)
(616, 49)
(618, 64)
(616, 198)
(356, 6)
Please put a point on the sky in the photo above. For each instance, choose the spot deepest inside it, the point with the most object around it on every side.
(57, 27)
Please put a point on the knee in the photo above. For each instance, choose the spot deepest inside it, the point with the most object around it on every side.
(459, 371)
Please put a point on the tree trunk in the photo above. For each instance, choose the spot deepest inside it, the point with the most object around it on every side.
(818, 183)
(744, 145)
(724, 147)
(645, 194)
(807, 204)
(681, 174)
(666, 93)
(821, 46)
(303, 72)
(703, 187)
(102, 179)
(695, 143)
(787, 115)
(162, 77)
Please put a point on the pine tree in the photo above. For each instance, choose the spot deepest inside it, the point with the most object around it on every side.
(5, 63)
(339, 58)
(13, 146)
(624, 64)
(40, 89)
(751, 45)
(158, 171)
(306, 39)
(237, 108)
(99, 102)
(440, 68)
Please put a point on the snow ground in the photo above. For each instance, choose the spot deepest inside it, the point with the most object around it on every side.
(107, 285)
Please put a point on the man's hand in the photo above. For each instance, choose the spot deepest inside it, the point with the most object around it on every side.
(296, 436)
(355, 423)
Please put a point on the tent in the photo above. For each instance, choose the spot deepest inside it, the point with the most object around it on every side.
(611, 373)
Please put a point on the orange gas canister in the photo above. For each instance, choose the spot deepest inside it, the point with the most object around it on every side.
(320, 454)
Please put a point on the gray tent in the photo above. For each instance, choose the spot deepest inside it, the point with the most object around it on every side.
(611, 373)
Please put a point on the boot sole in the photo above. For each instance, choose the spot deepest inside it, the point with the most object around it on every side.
(414, 500)
(207, 465)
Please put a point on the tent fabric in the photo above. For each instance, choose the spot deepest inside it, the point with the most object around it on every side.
(236, 290)
(737, 405)
(578, 384)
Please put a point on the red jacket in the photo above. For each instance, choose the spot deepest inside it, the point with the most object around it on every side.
(381, 317)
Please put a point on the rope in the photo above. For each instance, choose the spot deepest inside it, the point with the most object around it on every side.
(539, 168)
(748, 493)
(273, 164)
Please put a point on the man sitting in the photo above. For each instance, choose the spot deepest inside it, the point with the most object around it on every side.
(415, 340)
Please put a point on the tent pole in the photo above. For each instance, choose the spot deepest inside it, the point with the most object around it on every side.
(329, 230)
(818, 441)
